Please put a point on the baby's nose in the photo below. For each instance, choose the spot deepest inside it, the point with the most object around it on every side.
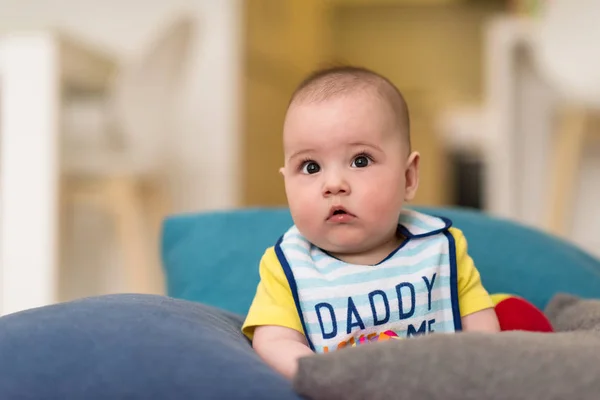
(335, 185)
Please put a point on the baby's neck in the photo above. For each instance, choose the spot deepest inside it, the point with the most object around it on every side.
(373, 256)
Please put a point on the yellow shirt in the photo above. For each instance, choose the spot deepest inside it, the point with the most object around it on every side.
(274, 304)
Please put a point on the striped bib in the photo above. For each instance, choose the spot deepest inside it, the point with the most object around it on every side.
(413, 291)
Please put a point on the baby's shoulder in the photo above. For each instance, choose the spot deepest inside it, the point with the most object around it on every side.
(269, 255)
(419, 224)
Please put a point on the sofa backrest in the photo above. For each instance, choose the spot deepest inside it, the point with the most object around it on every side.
(213, 257)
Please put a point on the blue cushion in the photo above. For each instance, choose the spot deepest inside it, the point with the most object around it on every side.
(213, 257)
(133, 347)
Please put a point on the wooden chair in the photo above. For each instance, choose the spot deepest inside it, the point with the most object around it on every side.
(127, 177)
(575, 130)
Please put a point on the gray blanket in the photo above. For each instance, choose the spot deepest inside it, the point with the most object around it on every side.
(509, 365)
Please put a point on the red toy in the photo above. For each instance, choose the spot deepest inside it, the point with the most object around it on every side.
(517, 314)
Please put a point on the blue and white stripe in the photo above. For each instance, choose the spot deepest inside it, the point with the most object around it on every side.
(413, 289)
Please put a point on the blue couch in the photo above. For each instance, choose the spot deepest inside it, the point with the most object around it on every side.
(188, 345)
(213, 257)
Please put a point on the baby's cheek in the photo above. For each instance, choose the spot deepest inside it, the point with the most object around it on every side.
(307, 221)
(382, 212)
(303, 209)
(382, 198)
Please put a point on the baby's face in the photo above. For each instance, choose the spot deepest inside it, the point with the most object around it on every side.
(346, 172)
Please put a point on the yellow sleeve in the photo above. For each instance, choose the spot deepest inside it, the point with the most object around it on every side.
(472, 296)
(273, 302)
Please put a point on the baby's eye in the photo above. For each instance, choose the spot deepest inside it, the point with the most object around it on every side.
(310, 167)
(361, 161)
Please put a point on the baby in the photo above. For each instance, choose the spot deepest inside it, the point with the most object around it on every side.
(356, 263)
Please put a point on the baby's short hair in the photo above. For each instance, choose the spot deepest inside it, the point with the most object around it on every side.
(327, 83)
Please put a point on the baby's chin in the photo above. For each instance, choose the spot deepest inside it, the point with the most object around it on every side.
(347, 246)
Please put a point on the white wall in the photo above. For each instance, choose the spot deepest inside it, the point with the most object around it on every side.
(211, 116)
(206, 143)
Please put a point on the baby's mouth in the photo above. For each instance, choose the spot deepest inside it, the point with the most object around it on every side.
(340, 214)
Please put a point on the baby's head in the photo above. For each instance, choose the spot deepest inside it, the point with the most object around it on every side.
(348, 163)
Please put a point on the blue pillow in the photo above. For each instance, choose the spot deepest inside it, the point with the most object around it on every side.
(213, 257)
(131, 347)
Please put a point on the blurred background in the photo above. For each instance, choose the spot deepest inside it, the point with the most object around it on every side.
(114, 114)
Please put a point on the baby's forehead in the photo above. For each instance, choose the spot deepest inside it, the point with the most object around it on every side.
(335, 138)
(348, 117)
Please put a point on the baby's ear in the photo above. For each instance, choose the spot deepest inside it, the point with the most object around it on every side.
(282, 171)
(412, 176)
